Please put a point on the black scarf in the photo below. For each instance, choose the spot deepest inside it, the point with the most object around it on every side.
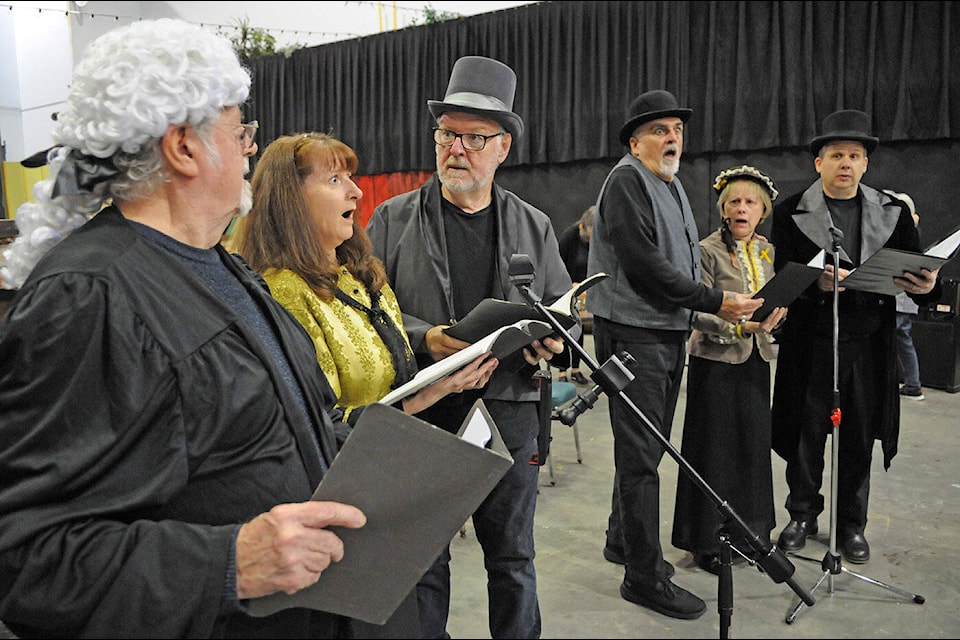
(404, 362)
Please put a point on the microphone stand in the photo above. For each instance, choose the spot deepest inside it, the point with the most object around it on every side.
(831, 563)
(611, 378)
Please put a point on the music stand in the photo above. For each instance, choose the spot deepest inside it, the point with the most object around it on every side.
(831, 562)
(611, 378)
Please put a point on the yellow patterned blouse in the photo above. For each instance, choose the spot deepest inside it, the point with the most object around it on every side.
(354, 358)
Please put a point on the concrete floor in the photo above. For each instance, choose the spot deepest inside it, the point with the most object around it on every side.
(913, 530)
(914, 533)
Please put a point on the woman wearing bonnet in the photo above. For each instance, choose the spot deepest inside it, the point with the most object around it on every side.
(726, 429)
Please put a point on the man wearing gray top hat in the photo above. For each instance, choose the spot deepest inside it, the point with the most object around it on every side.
(446, 247)
(646, 238)
(803, 397)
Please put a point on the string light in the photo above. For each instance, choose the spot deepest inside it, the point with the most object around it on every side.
(92, 16)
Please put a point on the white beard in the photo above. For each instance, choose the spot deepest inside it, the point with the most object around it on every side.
(246, 199)
(669, 167)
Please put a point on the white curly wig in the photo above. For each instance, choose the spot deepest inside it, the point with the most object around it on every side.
(131, 84)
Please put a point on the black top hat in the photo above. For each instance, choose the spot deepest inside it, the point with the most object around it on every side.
(650, 106)
(848, 124)
(484, 87)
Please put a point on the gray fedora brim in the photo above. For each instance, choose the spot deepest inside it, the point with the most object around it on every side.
(480, 105)
(626, 131)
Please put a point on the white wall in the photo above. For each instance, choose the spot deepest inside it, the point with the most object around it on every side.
(34, 74)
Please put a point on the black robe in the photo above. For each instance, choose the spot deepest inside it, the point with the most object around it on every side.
(141, 422)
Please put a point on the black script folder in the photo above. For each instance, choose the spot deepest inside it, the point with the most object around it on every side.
(500, 344)
(417, 485)
(877, 272)
(788, 283)
(491, 314)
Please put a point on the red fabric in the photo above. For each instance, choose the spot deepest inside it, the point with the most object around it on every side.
(381, 187)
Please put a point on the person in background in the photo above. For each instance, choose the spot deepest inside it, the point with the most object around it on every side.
(803, 394)
(302, 236)
(164, 432)
(726, 426)
(446, 247)
(574, 249)
(907, 311)
(645, 238)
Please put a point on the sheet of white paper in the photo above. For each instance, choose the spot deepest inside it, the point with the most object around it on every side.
(945, 248)
(818, 260)
(477, 431)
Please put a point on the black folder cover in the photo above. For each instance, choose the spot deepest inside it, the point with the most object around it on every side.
(417, 485)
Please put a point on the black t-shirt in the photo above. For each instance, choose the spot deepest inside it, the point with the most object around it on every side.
(471, 252)
(846, 215)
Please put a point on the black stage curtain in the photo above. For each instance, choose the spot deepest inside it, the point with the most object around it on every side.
(759, 76)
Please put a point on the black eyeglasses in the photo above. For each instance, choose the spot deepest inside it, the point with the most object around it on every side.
(470, 141)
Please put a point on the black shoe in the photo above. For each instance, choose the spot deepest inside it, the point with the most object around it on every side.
(664, 597)
(794, 535)
(709, 562)
(579, 378)
(614, 555)
(854, 548)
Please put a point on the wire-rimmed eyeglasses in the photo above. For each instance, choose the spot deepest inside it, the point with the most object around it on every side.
(470, 141)
(249, 132)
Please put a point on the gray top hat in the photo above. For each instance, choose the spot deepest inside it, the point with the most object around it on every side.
(482, 86)
(848, 124)
(650, 106)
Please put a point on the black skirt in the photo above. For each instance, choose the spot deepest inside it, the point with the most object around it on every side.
(726, 439)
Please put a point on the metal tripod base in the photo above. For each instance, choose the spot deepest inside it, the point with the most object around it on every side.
(833, 566)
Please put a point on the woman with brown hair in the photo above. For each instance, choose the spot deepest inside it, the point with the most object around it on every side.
(303, 236)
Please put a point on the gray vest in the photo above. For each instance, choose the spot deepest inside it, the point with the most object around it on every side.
(614, 298)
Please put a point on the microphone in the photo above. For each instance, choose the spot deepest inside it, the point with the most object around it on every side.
(837, 236)
(521, 270)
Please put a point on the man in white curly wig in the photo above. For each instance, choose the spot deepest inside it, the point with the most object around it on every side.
(157, 403)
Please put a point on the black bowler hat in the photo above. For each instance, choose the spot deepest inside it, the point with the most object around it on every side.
(484, 87)
(848, 124)
(650, 106)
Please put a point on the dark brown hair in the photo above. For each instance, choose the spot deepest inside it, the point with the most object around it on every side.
(279, 232)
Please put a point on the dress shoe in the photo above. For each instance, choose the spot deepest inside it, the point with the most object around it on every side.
(579, 378)
(794, 535)
(709, 562)
(854, 548)
(664, 597)
(614, 555)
